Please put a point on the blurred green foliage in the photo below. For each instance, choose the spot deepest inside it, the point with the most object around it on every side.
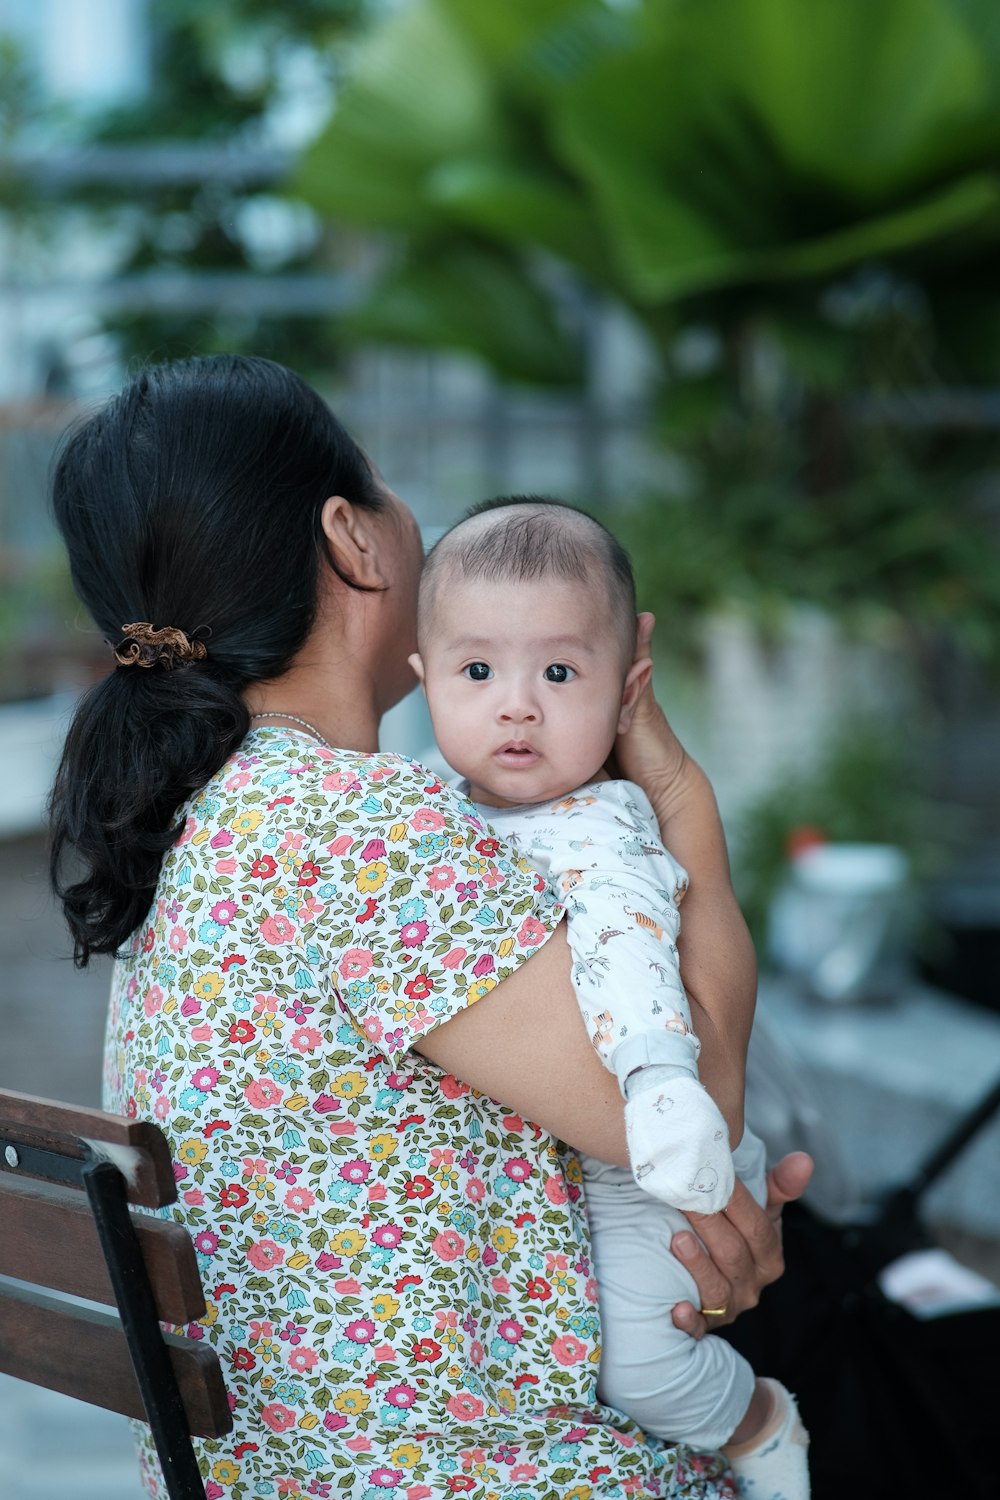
(800, 207)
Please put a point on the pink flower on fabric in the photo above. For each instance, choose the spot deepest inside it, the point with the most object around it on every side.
(152, 1000)
(333, 1421)
(511, 1331)
(374, 849)
(303, 1359)
(426, 820)
(413, 934)
(263, 1093)
(568, 1350)
(386, 1479)
(555, 1190)
(340, 844)
(264, 1255)
(355, 1171)
(178, 939)
(361, 1331)
(372, 1028)
(341, 781)
(225, 866)
(306, 1039)
(518, 1169)
(387, 1236)
(484, 965)
(452, 1088)
(465, 1406)
(205, 1079)
(221, 840)
(530, 933)
(441, 877)
(279, 1418)
(223, 912)
(277, 930)
(356, 962)
(454, 957)
(299, 1200)
(402, 1396)
(448, 1245)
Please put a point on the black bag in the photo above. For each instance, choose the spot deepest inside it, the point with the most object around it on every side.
(895, 1405)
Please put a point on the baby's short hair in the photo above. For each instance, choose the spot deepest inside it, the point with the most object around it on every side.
(541, 537)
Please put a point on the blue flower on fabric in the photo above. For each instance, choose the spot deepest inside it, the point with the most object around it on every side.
(191, 1099)
(411, 911)
(342, 1192)
(505, 1188)
(210, 932)
(500, 1349)
(346, 1352)
(485, 916)
(371, 804)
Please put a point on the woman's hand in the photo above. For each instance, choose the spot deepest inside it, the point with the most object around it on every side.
(649, 752)
(740, 1250)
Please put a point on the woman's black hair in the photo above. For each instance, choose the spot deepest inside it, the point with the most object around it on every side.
(193, 500)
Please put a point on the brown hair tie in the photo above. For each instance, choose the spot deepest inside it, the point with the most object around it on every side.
(146, 647)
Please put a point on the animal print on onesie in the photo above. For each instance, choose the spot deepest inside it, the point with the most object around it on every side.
(600, 850)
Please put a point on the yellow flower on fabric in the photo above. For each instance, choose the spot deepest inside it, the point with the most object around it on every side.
(505, 948)
(225, 1471)
(385, 1306)
(211, 1315)
(349, 1085)
(382, 1146)
(579, 1492)
(246, 822)
(506, 1399)
(352, 1401)
(397, 832)
(406, 1454)
(371, 877)
(480, 987)
(208, 986)
(503, 1238)
(347, 1242)
(192, 1151)
(574, 1171)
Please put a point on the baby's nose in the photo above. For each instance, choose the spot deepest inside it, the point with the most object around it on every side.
(519, 708)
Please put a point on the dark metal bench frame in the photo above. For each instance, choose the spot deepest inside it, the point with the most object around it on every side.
(67, 1227)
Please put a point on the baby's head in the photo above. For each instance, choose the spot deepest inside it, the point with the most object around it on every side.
(527, 636)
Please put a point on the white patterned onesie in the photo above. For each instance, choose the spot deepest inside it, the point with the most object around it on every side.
(600, 850)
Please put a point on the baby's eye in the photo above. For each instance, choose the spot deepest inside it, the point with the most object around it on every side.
(478, 671)
(558, 672)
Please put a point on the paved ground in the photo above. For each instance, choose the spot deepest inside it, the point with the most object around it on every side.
(51, 1019)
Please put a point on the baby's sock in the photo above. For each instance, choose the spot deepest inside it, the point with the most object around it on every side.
(678, 1143)
(773, 1465)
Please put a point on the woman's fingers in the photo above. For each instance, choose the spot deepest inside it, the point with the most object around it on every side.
(788, 1179)
(735, 1254)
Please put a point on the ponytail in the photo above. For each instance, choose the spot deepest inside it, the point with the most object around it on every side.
(192, 501)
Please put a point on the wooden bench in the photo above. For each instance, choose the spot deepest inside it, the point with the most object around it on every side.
(67, 1177)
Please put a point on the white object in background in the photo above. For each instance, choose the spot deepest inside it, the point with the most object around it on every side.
(930, 1283)
(838, 921)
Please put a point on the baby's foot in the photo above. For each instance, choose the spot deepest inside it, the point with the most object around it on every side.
(678, 1143)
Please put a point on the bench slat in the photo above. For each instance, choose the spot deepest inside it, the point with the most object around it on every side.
(82, 1352)
(153, 1184)
(49, 1238)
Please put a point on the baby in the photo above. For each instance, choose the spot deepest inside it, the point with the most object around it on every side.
(527, 634)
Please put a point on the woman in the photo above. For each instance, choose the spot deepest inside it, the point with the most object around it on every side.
(397, 1265)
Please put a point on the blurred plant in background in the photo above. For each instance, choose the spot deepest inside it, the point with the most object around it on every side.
(799, 206)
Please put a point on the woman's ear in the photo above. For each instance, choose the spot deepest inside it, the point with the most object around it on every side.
(417, 663)
(352, 542)
(638, 677)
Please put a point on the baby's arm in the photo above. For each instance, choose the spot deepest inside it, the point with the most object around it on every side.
(602, 855)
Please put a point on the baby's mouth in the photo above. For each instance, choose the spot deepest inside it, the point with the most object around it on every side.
(516, 753)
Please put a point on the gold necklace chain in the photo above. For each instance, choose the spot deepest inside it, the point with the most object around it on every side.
(294, 719)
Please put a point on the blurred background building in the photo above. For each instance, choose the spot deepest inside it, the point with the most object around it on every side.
(724, 272)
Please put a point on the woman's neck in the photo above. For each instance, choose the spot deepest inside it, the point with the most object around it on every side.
(345, 715)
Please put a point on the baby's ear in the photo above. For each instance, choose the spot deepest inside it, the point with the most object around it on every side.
(638, 677)
(417, 663)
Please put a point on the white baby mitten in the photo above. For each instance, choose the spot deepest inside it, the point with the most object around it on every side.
(678, 1143)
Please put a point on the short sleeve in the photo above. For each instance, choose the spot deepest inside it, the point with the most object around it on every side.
(427, 911)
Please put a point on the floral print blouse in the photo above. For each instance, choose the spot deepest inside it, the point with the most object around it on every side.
(397, 1267)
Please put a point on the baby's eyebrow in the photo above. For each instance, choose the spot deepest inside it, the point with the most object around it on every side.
(573, 643)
